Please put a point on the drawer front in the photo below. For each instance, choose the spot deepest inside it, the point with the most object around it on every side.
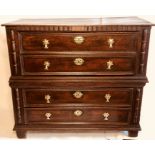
(71, 65)
(94, 115)
(100, 41)
(104, 97)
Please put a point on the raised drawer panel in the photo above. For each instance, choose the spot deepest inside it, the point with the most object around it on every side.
(104, 97)
(80, 65)
(99, 41)
(79, 115)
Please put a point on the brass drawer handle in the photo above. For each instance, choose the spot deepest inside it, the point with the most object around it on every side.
(78, 94)
(107, 97)
(48, 98)
(45, 43)
(47, 65)
(48, 115)
(79, 39)
(111, 42)
(78, 61)
(106, 115)
(78, 113)
(109, 64)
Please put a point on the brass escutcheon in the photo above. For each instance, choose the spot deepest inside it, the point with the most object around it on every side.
(79, 39)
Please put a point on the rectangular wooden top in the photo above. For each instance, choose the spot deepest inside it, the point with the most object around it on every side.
(80, 21)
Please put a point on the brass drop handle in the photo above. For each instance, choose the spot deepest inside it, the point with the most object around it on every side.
(78, 94)
(48, 115)
(48, 98)
(111, 42)
(78, 61)
(107, 97)
(78, 113)
(109, 64)
(47, 65)
(106, 115)
(79, 39)
(45, 43)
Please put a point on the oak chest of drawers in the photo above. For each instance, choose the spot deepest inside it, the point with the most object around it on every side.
(78, 75)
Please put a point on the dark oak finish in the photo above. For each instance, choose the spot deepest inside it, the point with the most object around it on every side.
(118, 97)
(59, 65)
(90, 115)
(133, 133)
(44, 95)
(21, 134)
(124, 41)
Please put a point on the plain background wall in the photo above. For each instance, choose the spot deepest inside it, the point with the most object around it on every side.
(6, 108)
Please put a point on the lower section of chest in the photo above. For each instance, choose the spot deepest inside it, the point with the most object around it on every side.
(77, 105)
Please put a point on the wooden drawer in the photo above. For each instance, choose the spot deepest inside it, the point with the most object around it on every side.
(98, 41)
(78, 65)
(103, 97)
(92, 115)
